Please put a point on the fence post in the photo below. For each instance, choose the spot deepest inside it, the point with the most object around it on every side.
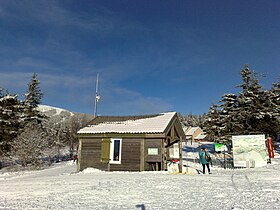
(224, 159)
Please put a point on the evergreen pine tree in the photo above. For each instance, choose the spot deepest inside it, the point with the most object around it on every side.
(247, 100)
(254, 110)
(194, 120)
(274, 109)
(255, 105)
(229, 121)
(10, 120)
(275, 99)
(33, 98)
(212, 125)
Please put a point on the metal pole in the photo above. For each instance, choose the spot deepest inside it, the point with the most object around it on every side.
(96, 97)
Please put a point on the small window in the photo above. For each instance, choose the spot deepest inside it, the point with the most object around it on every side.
(115, 151)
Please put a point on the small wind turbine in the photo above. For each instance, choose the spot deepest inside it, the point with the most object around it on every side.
(96, 98)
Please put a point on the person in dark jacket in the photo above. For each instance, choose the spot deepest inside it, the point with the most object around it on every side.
(202, 157)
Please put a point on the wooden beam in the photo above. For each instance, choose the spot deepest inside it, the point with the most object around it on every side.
(165, 154)
(172, 133)
(180, 156)
(171, 143)
(142, 155)
(79, 156)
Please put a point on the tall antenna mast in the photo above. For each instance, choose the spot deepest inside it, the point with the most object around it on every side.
(96, 98)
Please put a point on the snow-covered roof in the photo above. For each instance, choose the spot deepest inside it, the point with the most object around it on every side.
(137, 124)
(191, 131)
(200, 136)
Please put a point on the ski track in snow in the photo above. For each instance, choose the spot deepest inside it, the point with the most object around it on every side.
(60, 187)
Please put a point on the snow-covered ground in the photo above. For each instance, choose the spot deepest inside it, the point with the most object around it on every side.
(60, 187)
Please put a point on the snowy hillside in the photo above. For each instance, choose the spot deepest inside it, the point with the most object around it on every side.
(62, 115)
(60, 187)
(53, 111)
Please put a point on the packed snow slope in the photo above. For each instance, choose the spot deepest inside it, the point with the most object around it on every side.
(60, 187)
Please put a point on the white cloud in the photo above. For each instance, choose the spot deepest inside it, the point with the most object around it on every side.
(55, 14)
(123, 101)
(63, 59)
(31, 62)
(14, 80)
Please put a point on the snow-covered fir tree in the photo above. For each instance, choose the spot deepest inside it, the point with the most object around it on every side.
(194, 120)
(33, 98)
(228, 115)
(212, 124)
(253, 110)
(256, 108)
(27, 134)
(275, 99)
(249, 103)
(10, 120)
(16, 114)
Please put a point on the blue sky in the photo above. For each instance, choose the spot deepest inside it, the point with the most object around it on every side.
(151, 55)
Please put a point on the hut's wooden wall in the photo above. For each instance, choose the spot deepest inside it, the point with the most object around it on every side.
(90, 155)
(153, 162)
(131, 154)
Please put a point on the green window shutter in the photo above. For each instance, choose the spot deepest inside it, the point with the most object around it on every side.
(105, 150)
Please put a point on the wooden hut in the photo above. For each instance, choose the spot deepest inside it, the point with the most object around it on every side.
(130, 143)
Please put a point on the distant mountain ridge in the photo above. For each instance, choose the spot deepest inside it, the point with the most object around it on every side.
(59, 114)
(53, 111)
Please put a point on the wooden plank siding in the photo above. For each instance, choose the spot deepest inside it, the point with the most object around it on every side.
(90, 154)
(153, 162)
(153, 143)
(130, 157)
